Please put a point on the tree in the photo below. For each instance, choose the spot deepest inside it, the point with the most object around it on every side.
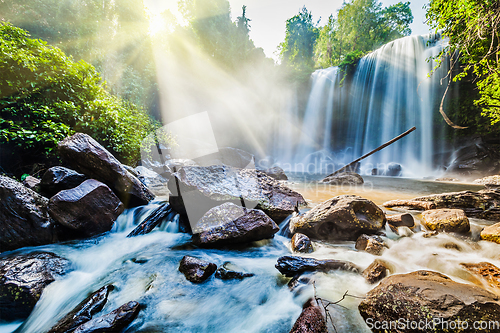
(473, 28)
(300, 37)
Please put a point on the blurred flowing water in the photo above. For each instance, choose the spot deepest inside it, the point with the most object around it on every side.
(145, 269)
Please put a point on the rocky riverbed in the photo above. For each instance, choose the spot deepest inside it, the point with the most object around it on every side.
(239, 249)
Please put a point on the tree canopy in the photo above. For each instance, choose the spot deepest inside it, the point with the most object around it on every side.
(473, 28)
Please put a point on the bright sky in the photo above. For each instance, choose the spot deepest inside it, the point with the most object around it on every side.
(269, 16)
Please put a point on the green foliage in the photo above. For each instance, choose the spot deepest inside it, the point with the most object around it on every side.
(361, 26)
(472, 27)
(45, 96)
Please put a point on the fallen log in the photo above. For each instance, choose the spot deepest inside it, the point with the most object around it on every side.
(153, 220)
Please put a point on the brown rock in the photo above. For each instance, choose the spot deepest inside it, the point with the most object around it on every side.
(90, 209)
(311, 320)
(371, 244)
(301, 243)
(343, 217)
(488, 272)
(448, 220)
(196, 270)
(491, 233)
(231, 224)
(87, 156)
(376, 271)
(346, 178)
(401, 220)
(426, 295)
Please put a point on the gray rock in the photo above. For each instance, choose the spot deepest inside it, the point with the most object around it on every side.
(115, 321)
(231, 224)
(90, 209)
(196, 270)
(233, 157)
(24, 219)
(32, 183)
(275, 172)
(343, 217)
(87, 156)
(292, 265)
(59, 178)
(345, 178)
(393, 170)
(22, 280)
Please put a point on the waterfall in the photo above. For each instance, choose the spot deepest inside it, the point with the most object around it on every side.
(389, 92)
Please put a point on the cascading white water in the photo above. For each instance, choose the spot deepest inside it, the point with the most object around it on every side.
(390, 92)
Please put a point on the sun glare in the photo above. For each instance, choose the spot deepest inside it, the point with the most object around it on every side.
(156, 24)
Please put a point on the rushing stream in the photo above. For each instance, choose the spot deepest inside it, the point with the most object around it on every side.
(145, 269)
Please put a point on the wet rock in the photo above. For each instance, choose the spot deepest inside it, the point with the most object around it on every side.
(311, 320)
(86, 155)
(401, 220)
(22, 280)
(301, 243)
(90, 209)
(196, 270)
(114, 321)
(448, 220)
(491, 233)
(59, 178)
(156, 183)
(343, 217)
(229, 271)
(376, 271)
(346, 178)
(393, 170)
(447, 179)
(426, 295)
(84, 311)
(489, 180)
(475, 160)
(372, 244)
(32, 183)
(484, 204)
(429, 234)
(231, 224)
(195, 190)
(24, 219)
(275, 172)
(292, 265)
(152, 220)
(487, 272)
(299, 282)
(228, 156)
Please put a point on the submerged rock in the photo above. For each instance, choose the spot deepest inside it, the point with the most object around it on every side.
(83, 312)
(22, 280)
(393, 170)
(484, 204)
(491, 233)
(426, 295)
(301, 243)
(343, 217)
(346, 178)
(90, 209)
(196, 270)
(195, 190)
(232, 224)
(24, 218)
(311, 320)
(229, 271)
(448, 220)
(87, 156)
(292, 265)
(115, 321)
(372, 244)
(59, 178)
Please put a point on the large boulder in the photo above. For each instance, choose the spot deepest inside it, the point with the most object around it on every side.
(90, 208)
(491, 233)
(86, 155)
(24, 219)
(475, 160)
(448, 220)
(22, 280)
(115, 321)
(231, 224)
(345, 178)
(426, 296)
(344, 217)
(196, 270)
(292, 265)
(59, 178)
(196, 189)
(311, 320)
(275, 172)
(484, 204)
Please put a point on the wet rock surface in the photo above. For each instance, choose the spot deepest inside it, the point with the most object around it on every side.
(343, 217)
(401, 220)
(301, 243)
(24, 218)
(422, 295)
(311, 320)
(346, 178)
(59, 178)
(376, 271)
(114, 321)
(229, 271)
(448, 220)
(491, 233)
(87, 156)
(90, 208)
(195, 190)
(484, 204)
(487, 272)
(196, 270)
(231, 224)
(370, 243)
(293, 265)
(83, 312)
(23, 279)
